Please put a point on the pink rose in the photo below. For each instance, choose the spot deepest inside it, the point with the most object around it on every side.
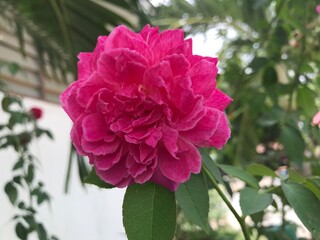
(36, 112)
(142, 105)
(318, 9)
(316, 119)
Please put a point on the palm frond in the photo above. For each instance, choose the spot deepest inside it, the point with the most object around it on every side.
(60, 29)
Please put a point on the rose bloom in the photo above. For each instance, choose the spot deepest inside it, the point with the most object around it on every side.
(36, 112)
(142, 105)
(316, 119)
(318, 9)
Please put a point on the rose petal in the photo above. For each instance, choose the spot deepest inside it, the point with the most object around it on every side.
(105, 162)
(203, 76)
(222, 135)
(69, 102)
(117, 175)
(122, 67)
(160, 179)
(204, 129)
(149, 33)
(94, 127)
(170, 139)
(76, 135)
(161, 44)
(218, 100)
(122, 37)
(179, 170)
(100, 147)
(178, 63)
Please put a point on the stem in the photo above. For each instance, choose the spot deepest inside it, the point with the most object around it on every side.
(225, 199)
(283, 214)
(66, 184)
(25, 174)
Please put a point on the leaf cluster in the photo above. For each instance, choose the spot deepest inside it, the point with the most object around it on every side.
(269, 64)
(18, 132)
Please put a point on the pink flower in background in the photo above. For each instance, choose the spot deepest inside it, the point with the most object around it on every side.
(142, 105)
(316, 119)
(318, 9)
(36, 112)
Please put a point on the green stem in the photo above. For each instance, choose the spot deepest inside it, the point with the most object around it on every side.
(225, 199)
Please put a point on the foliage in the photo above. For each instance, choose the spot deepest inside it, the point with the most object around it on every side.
(60, 29)
(17, 133)
(269, 64)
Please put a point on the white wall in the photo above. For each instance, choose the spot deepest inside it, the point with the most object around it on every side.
(82, 214)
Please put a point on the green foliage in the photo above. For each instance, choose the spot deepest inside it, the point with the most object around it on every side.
(24, 180)
(61, 29)
(251, 201)
(305, 204)
(193, 198)
(293, 143)
(149, 212)
(240, 174)
(11, 192)
(270, 67)
(260, 170)
(211, 165)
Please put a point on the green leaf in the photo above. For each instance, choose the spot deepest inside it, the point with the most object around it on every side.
(258, 63)
(312, 186)
(149, 212)
(21, 205)
(17, 180)
(269, 78)
(40, 132)
(193, 198)
(241, 174)
(7, 101)
(260, 170)
(41, 197)
(17, 118)
(11, 192)
(211, 165)
(93, 178)
(18, 164)
(305, 100)
(42, 233)
(251, 201)
(21, 231)
(30, 174)
(257, 217)
(316, 180)
(31, 222)
(305, 204)
(293, 143)
(296, 177)
(271, 117)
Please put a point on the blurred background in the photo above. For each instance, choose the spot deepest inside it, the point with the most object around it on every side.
(269, 62)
